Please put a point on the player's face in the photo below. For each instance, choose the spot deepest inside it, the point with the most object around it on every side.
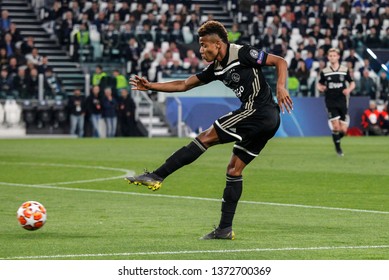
(333, 57)
(209, 48)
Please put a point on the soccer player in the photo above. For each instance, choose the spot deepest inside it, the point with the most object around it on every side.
(336, 83)
(250, 126)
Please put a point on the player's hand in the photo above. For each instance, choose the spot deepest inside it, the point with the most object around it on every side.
(284, 100)
(139, 83)
(321, 88)
(346, 91)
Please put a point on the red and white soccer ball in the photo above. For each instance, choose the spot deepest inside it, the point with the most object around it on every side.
(32, 215)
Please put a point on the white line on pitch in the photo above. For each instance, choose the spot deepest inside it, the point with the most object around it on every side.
(191, 198)
(198, 252)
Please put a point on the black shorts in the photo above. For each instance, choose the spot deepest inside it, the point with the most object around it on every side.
(251, 129)
(337, 112)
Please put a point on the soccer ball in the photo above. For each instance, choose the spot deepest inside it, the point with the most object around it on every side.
(32, 215)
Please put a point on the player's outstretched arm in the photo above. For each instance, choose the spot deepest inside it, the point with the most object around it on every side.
(283, 97)
(141, 83)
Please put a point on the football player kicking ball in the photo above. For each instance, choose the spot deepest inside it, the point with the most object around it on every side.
(250, 126)
(333, 82)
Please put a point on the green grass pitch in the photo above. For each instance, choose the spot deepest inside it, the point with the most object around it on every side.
(300, 201)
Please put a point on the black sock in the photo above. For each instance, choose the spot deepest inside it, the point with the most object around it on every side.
(181, 157)
(336, 139)
(231, 195)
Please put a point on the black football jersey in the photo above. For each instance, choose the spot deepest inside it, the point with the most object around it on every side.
(336, 82)
(240, 70)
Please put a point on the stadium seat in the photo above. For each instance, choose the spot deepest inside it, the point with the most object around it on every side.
(1, 114)
(12, 112)
(188, 36)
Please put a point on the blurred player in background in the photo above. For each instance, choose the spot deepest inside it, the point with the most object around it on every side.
(336, 84)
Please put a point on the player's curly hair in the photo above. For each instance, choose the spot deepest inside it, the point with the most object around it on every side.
(213, 27)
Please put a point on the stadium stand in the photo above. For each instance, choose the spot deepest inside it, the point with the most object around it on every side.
(73, 37)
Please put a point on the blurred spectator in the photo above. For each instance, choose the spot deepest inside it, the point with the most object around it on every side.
(372, 13)
(272, 13)
(145, 65)
(101, 22)
(5, 21)
(3, 57)
(176, 33)
(352, 58)
(8, 44)
(93, 11)
(131, 54)
(345, 38)
(302, 13)
(194, 23)
(316, 33)
(76, 10)
(94, 110)
(309, 60)
(311, 46)
(19, 87)
(119, 82)
(275, 25)
(294, 61)
(259, 25)
(368, 85)
(321, 54)
(111, 42)
(171, 11)
(383, 119)
(12, 67)
(34, 57)
(66, 29)
(77, 108)
(315, 11)
(98, 76)
(109, 112)
(151, 21)
(302, 74)
(144, 35)
(155, 9)
(268, 40)
(327, 45)
(363, 26)
(370, 120)
(27, 45)
(127, 33)
(302, 24)
(191, 59)
(162, 30)
(110, 9)
(117, 22)
(15, 33)
(373, 40)
(293, 83)
(137, 13)
(82, 47)
(52, 85)
(366, 66)
(234, 34)
(84, 20)
(385, 14)
(44, 65)
(5, 82)
(126, 114)
(52, 16)
(32, 83)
